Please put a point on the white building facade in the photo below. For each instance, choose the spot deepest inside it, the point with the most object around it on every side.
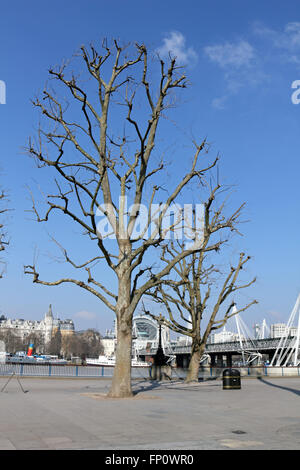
(224, 337)
(46, 328)
(277, 330)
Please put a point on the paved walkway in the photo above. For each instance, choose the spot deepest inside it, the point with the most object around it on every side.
(74, 414)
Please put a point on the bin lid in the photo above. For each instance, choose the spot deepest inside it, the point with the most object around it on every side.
(230, 372)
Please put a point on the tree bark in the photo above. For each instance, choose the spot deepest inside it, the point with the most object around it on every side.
(121, 383)
(194, 365)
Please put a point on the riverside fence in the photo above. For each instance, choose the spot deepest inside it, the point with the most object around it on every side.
(51, 370)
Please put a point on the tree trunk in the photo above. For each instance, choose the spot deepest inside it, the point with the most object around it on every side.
(121, 383)
(194, 365)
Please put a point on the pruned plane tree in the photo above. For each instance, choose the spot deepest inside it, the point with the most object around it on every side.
(99, 138)
(207, 282)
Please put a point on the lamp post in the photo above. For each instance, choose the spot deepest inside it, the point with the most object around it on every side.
(160, 359)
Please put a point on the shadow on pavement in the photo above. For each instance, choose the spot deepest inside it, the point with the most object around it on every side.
(147, 386)
(156, 385)
(297, 392)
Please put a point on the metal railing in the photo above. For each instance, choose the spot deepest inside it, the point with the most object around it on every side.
(73, 371)
(233, 346)
(49, 370)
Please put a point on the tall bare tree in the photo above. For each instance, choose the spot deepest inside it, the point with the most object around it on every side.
(96, 170)
(202, 288)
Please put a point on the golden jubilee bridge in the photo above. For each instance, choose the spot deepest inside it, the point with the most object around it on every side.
(247, 352)
(244, 351)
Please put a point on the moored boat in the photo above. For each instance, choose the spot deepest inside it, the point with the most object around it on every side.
(35, 360)
(111, 361)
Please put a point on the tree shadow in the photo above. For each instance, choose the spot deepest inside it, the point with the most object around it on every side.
(149, 385)
(170, 385)
(297, 392)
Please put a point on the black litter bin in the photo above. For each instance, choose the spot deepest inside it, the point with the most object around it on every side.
(231, 379)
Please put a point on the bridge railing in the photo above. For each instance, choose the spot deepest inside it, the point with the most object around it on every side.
(234, 346)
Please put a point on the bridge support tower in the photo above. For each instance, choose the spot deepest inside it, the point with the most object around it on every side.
(221, 360)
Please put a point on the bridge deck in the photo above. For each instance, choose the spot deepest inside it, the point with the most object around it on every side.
(254, 345)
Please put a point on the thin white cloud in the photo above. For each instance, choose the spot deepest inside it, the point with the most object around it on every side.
(219, 103)
(174, 45)
(238, 60)
(85, 315)
(284, 44)
(288, 38)
(292, 30)
(244, 66)
(236, 55)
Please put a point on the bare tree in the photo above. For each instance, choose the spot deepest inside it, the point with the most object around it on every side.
(91, 343)
(55, 344)
(202, 287)
(84, 344)
(71, 346)
(12, 342)
(96, 170)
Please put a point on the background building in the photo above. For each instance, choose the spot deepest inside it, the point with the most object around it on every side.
(45, 328)
(224, 337)
(277, 330)
(145, 336)
(109, 343)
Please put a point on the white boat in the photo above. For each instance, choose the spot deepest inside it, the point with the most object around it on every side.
(111, 361)
(17, 359)
(50, 360)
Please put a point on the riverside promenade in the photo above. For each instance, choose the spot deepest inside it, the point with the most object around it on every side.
(60, 413)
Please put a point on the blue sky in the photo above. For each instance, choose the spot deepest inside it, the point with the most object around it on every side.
(241, 59)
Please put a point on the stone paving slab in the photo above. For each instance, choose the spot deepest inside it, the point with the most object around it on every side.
(74, 414)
